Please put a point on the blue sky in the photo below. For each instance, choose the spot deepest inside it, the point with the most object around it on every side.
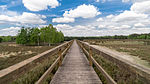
(77, 17)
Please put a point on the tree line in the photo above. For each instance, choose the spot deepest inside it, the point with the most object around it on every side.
(35, 36)
(131, 36)
(50, 35)
(7, 38)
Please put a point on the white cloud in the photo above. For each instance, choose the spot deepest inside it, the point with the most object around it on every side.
(9, 31)
(5, 11)
(139, 25)
(63, 20)
(25, 18)
(63, 27)
(37, 5)
(102, 1)
(40, 26)
(84, 11)
(99, 19)
(101, 26)
(110, 16)
(77, 30)
(125, 0)
(141, 7)
(97, 0)
(125, 27)
(83, 30)
(127, 22)
(134, 1)
(3, 7)
(129, 16)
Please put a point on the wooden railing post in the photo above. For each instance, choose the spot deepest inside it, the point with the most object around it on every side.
(60, 55)
(90, 56)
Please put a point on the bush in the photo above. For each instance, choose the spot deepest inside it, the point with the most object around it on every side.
(1, 40)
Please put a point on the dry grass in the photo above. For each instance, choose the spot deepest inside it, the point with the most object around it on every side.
(136, 48)
(36, 72)
(11, 53)
(120, 75)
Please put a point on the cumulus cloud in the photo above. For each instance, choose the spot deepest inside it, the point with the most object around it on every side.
(9, 31)
(110, 16)
(99, 19)
(102, 30)
(137, 16)
(127, 22)
(3, 7)
(77, 30)
(63, 27)
(84, 11)
(63, 20)
(25, 18)
(139, 25)
(141, 7)
(37, 5)
(101, 26)
(129, 16)
(135, 20)
(125, 1)
(5, 11)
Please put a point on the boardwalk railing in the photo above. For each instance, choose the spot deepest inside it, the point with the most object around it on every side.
(15, 71)
(93, 61)
(57, 61)
(137, 69)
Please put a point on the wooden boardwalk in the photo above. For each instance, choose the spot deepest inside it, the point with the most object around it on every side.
(75, 69)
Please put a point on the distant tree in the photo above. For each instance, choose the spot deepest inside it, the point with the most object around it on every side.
(133, 36)
(22, 37)
(142, 37)
(43, 35)
(1, 39)
(35, 36)
(61, 36)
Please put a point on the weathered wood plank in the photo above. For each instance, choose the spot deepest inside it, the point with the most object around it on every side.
(92, 60)
(44, 76)
(75, 69)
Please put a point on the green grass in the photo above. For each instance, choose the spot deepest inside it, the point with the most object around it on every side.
(11, 53)
(35, 73)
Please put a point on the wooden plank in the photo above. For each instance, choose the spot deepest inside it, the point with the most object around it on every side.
(105, 74)
(75, 69)
(45, 75)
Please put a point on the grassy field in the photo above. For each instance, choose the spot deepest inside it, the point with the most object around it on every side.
(35, 73)
(120, 75)
(138, 48)
(11, 53)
